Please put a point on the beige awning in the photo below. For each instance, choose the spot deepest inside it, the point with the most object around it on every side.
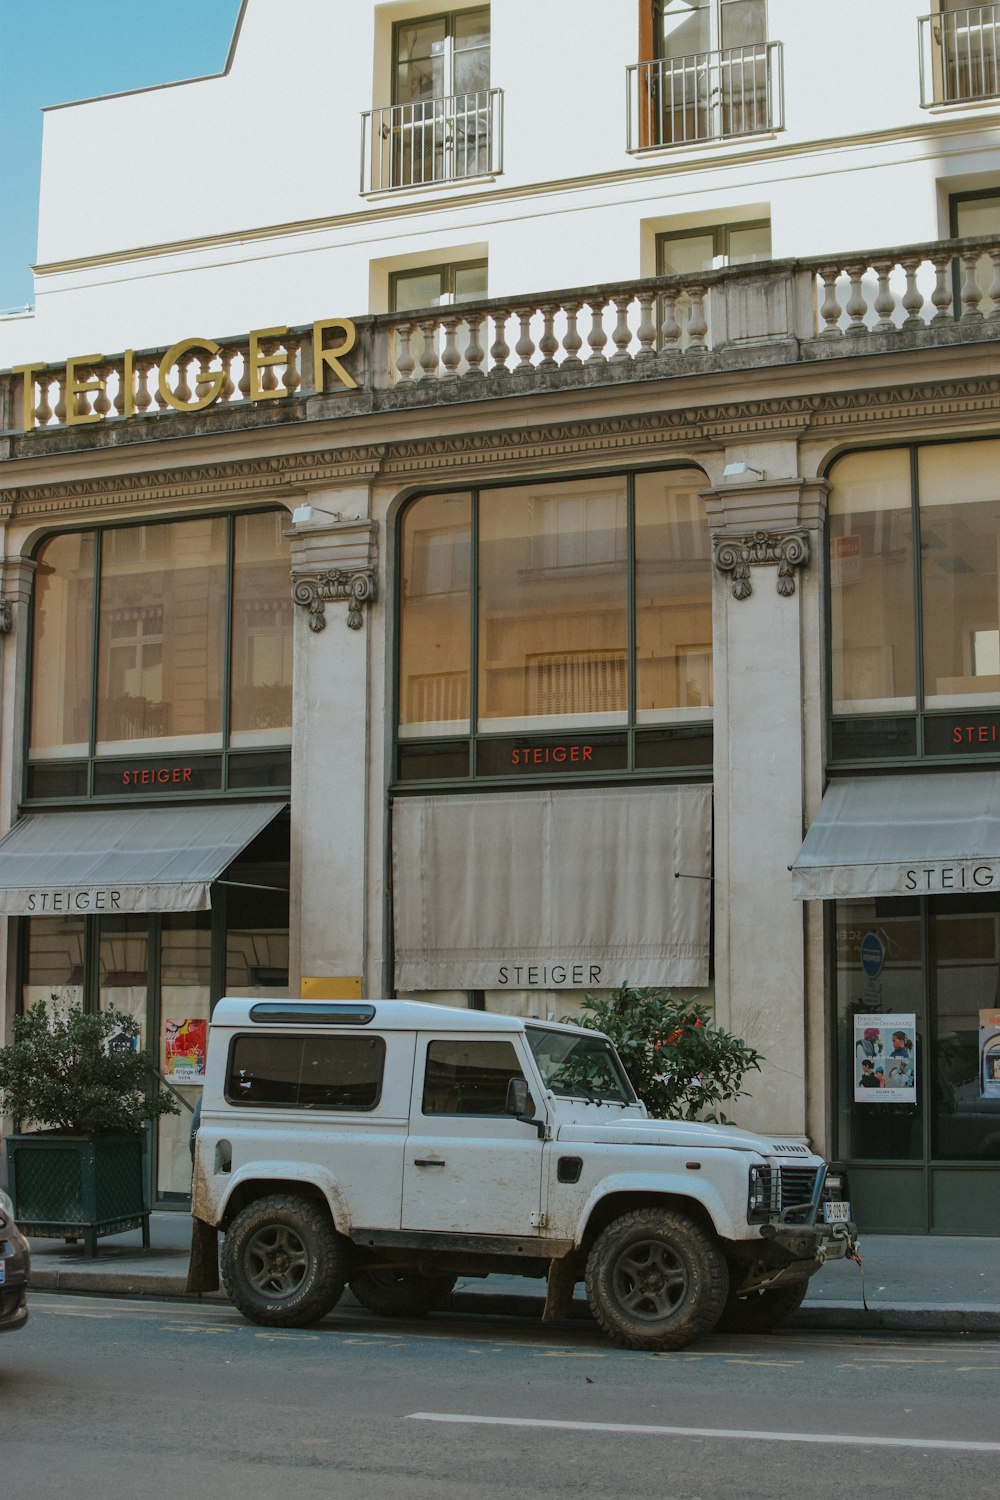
(568, 888)
(919, 835)
(123, 859)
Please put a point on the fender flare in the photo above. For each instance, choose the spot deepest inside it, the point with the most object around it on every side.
(308, 1174)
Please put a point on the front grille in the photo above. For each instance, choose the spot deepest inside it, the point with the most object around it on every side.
(784, 1194)
(797, 1187)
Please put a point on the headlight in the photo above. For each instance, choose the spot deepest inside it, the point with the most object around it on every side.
(6, 1204)
(759, 1201)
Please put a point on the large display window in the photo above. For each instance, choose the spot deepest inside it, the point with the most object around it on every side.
(914, 537)
(167, 638)
(556, 608)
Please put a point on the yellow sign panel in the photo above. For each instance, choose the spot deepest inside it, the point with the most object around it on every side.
(331, 987)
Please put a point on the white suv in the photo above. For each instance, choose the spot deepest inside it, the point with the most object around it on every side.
(394, 1146)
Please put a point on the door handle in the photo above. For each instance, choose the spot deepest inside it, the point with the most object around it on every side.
(428, 1161)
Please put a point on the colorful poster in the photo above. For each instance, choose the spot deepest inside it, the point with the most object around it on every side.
(989, 1054)
(885, 1059)
(185, 1044)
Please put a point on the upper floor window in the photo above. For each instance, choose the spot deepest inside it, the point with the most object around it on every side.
(686, 252)
(558, 605)
(915, 601)
(444, 122)
(166, 636)
(707, 72)
(960, 53)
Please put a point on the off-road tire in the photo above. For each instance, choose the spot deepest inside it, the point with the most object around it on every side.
(283, 1263)
(400, 1294)
(763, 1311)
(656, 1280)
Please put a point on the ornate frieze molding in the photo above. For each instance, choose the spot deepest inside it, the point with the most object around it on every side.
(335, 563)
(737, 555)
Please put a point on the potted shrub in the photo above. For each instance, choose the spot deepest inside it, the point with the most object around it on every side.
(87, 1093)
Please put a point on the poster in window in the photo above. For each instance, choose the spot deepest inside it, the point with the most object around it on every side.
(185, 1044)
(989, 1054)
(885, 1059)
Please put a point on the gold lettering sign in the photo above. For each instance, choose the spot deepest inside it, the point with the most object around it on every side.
(81, 380)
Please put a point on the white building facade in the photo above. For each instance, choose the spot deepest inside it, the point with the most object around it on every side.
(478, 548)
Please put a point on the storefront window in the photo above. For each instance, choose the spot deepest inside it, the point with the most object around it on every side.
(562, 586)
(435, 627)
(171, 635)
(552, 604)
(872, 630)
(673, 587)
(54, 962)
(123, 967)
(262, 632)
(919, 1029)
(915, 602)
(185, 1006)
(63, 645)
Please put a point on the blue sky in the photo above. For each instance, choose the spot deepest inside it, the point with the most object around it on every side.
(52, 51)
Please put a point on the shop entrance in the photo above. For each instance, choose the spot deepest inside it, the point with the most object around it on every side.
(918, 1044)
(167, 969)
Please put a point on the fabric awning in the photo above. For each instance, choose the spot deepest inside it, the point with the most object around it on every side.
(568, 888)
(920, 835)
(123, 859)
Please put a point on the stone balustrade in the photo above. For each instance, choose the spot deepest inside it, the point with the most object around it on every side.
(744, 316)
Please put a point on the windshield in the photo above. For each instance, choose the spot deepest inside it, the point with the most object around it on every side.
(584, 1067)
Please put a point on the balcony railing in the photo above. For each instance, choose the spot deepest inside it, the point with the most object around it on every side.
(918, 298)
(709, 96)
(960, 55)
(432, 140)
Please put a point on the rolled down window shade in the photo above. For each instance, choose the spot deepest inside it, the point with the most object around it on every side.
(568, 880)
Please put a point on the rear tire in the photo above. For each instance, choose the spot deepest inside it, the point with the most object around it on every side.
(762, 1311)
(283, 1263)
(400, 1294)
(656, 1280)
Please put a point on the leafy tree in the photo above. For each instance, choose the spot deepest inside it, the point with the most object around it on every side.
(79, 1074)
(681, 1065)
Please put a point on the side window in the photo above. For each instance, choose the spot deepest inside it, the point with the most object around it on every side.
(306, 1072)
(468, 1078)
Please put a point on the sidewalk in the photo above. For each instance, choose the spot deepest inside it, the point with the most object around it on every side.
(915, 1283)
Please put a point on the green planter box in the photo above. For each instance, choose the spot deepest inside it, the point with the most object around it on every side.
(79, 1186)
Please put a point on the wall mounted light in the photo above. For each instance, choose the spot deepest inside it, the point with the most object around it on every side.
(739, 470)
(303, 514)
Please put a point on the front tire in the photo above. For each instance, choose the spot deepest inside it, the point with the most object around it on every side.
(762, 1311)
(283, 1264)
(400, 1294)
(656, 1280)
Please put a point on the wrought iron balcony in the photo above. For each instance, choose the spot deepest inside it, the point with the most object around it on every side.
(709, 96)
(960, 55)
(432, 140)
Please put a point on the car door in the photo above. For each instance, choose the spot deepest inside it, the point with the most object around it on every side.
(469, 1166)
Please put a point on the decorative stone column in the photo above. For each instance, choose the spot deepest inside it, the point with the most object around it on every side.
(767, 604)
(335, 588)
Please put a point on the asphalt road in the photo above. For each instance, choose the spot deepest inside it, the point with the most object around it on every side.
(107, 1399)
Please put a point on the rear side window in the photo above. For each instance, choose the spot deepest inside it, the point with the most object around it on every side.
(306, 1072)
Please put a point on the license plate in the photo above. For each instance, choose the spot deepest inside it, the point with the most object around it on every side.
(836, 1213)
(3, 1272)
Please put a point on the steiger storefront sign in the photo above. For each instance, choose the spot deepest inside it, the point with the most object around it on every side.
(85, 387)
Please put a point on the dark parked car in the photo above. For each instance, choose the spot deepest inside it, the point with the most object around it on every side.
(15, 1263)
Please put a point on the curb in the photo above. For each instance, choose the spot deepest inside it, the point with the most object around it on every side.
(894, 1318)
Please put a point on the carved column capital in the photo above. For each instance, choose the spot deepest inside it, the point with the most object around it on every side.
(333, 563)
(315, 591)
(738, 554)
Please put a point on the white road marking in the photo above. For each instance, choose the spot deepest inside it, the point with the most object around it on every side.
(852, 1440)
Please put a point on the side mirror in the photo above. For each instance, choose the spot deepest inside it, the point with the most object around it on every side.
(519, 1101)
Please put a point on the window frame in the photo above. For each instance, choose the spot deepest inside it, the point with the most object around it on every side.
(667, 744)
